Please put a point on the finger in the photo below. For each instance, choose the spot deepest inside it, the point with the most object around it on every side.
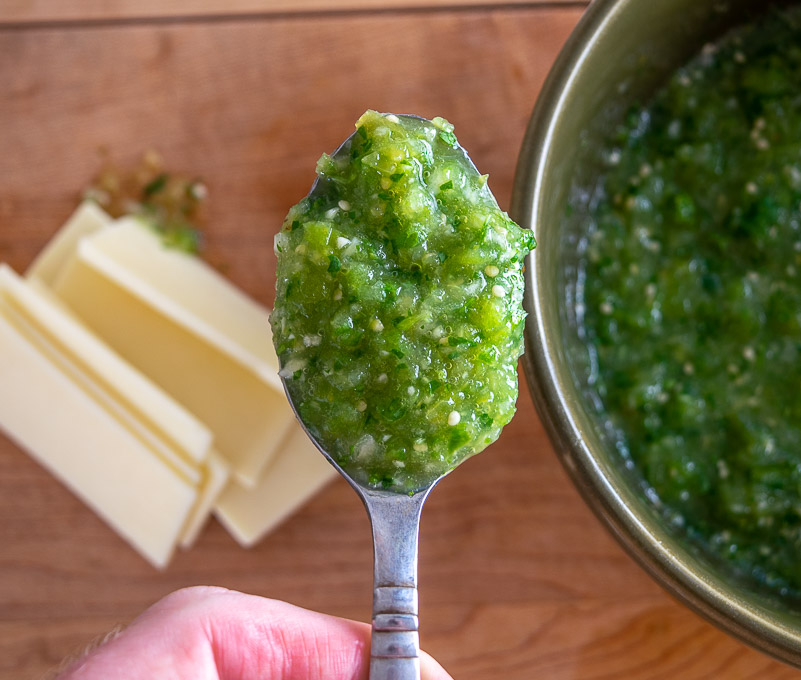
(217, 634)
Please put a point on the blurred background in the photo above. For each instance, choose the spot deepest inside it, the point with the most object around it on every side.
(517, 578)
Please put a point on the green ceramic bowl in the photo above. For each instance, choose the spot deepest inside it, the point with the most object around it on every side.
(620, 52)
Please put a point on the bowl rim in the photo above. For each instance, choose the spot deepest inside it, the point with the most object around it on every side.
(649, 545)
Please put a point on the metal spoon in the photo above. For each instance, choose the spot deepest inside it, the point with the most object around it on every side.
(395, 520)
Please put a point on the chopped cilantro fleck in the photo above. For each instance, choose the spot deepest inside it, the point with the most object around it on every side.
(156, 185)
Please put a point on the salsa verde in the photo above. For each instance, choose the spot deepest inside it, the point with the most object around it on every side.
(398, 318)
(689, 298)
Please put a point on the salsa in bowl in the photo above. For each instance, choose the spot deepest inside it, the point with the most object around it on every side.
(661, 169)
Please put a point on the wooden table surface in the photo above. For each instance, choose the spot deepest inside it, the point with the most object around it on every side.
(518, 579)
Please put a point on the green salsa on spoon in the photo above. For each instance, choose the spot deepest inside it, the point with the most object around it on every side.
(398, 318)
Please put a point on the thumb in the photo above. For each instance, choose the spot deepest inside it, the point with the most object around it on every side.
(216, 634)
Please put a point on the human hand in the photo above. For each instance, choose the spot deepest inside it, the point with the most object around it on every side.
(206, 633)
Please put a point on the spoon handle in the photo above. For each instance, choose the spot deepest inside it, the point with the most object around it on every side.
(395, 643)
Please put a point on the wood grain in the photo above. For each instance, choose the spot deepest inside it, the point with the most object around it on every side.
(49, 11)
(518, 579)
